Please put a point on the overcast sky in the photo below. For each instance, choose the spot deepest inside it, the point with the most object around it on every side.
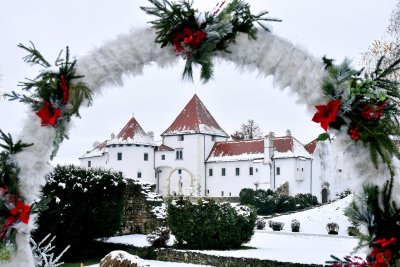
(336, 28)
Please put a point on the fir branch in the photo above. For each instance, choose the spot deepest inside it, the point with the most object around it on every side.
(34, 56)
(9, 144)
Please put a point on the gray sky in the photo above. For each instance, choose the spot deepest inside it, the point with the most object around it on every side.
(336, 28)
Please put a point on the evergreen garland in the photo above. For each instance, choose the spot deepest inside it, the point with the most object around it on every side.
(196, 38)
(55, 94)
(11, 202)
(367, 103)
(375, 210)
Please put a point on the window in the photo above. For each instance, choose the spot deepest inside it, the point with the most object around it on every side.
(146, 146)
(120, 145)
(250, 170)
(210, 172)
(230, 194)
(223, 171)
(114, 145)
(179, 154)
(119, 156)
(139, 175)
(162, 157)
(89, 164)
(138, 145)
(256, 169)
(208, 192)
(278, 170)
(181, 137)
(237, 171)
(179, 171)
(146, 156)
(213, 138)
(302, 169)
(222, 193)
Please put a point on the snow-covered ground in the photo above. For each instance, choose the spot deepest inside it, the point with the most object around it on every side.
(312, 245)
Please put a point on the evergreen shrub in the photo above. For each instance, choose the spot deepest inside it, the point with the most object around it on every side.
(268, 202)
(210, 225)
(83, 205)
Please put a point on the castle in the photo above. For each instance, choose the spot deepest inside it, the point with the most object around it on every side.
(196, 158)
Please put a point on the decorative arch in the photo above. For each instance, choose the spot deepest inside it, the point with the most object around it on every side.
(291, 67)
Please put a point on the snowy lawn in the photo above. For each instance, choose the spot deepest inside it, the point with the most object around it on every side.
(312, 245)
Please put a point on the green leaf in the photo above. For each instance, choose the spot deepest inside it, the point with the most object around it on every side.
(323, 137)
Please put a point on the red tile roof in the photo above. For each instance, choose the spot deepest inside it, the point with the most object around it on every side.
(283, 144)
(195, 118)
(311, 146)
(237, 150)
(132, 133)
(286, 146)
(165, 148)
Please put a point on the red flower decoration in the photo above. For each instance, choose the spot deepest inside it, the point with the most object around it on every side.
(64, 88)
(384, 242)
(372, 112)
(21, 211)
(188, 37)
(327, 113)
(48, 114)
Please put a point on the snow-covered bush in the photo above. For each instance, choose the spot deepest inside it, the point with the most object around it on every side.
(295, 224)
(332, 228)
(83, 205)
(343, 194)
(159, 237)
(277, 226)
(305, 200)
(210, 225)
(260, 224)
(268, 202)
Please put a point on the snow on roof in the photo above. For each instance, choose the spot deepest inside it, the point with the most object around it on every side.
(289, 147)
(195, 118)
(98, 151)
(237, 150)
(132, 133)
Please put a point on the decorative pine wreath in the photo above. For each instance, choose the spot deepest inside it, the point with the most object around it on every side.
(361, 108)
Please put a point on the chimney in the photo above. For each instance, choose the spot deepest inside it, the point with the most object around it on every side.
(269, 148)
(288, 133)
(112, 135)
(151, 135)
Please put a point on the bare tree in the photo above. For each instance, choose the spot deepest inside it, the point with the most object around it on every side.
(249, 130)
(388, 46)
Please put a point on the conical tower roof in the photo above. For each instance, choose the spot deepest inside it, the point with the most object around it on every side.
(193, 119)
(132, 133)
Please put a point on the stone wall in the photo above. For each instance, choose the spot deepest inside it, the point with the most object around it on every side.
(216, 199)
(167, 254)
(139, 202)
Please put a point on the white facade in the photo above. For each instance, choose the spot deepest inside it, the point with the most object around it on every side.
(196, 159)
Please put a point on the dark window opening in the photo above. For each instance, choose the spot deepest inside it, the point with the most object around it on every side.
(119, 156)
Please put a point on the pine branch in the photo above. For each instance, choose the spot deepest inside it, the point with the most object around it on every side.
(9, 144)
(34, 57)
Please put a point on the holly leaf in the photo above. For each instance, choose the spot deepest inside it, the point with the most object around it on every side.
(323, 137)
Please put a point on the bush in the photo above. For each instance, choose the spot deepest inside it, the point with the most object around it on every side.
(276, 226)
(332, 228)
(305, 200)
(260, 224)
(159, 238)
(208, 225)
(268, 202)
(84, 204)
(295, 224)
(285, 204)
